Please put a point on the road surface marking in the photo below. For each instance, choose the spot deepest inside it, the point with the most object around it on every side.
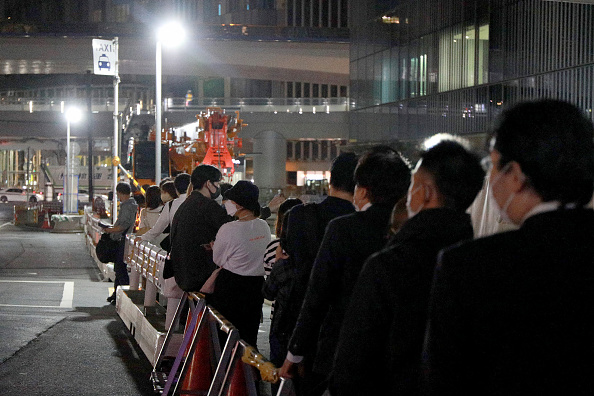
(65, 302)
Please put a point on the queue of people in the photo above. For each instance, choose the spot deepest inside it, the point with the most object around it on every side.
(385, 287)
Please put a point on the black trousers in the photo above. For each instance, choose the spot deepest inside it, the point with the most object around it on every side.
(120, 268)
(239, 299)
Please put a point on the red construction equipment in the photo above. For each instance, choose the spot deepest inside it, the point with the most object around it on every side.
(211, 140)
(218, 137)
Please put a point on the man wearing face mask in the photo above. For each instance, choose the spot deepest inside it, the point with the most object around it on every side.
(385, 321)
(381, 179)
(511, 314)
(194, 226)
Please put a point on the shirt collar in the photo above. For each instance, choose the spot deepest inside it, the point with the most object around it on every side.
(365, 207)
(542, 208)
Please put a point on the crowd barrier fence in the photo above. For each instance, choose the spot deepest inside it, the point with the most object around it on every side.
(211, 358)
(92, 235)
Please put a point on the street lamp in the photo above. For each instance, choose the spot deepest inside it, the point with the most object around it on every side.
(171, 34)
(73, 115)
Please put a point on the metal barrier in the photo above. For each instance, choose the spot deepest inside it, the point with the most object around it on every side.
(203, 364)
(202, 367)
(200, 364)
(146, 262)
(92, 235)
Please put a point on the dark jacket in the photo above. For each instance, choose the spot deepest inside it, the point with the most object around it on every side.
(277, 288)
(195, 223)
(303, 233)
(383, 329)
(347, 243)
(511, 314)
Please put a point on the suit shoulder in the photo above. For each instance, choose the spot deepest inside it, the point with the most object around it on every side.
(482, 247)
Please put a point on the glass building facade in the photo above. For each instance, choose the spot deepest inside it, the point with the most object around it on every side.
(430, 66)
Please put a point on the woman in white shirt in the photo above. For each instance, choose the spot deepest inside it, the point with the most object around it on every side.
(238, 249)
(151, 211)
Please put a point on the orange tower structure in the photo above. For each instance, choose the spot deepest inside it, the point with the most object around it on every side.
(219, 137)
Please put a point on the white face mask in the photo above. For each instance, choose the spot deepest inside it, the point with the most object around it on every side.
(412, 213)
(502, 215)
(230, 207)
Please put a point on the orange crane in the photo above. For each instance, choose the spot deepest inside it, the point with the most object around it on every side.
(212, 140)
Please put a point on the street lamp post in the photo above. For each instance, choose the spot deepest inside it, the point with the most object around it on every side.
(171, 34)
(73, 115)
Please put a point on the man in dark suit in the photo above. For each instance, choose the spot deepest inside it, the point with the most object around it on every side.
(511, 314)
(381, 339)
(302, 233)
(382, 178)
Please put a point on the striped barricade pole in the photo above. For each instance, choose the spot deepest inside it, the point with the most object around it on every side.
(150, 295)
(130, 258)
(247, 365)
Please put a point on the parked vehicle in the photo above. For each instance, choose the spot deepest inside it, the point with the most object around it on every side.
(17, 194)
(83, 196)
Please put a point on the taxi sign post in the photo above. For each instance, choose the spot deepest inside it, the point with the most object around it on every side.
(105, 62)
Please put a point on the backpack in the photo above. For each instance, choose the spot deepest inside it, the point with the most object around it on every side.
(106, 249)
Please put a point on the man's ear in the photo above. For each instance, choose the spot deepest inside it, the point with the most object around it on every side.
(366, 194)
(518, 178)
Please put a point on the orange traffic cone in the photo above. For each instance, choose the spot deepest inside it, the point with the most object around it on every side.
(46, 222)
(200, 373)
(238, 385)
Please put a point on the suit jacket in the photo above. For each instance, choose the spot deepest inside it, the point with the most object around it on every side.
(347, 243)
(195, 223)
(384, 326)
(512, 314)
(303, 231)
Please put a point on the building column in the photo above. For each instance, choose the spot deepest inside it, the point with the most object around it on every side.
(270, 158)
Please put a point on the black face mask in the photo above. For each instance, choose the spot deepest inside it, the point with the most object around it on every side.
(215, 195)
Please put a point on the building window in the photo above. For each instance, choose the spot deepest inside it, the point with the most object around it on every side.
(289, 90)
(122, 12)
(463, 60)
(292, 178)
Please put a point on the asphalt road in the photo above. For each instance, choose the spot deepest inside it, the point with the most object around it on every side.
(59, 335)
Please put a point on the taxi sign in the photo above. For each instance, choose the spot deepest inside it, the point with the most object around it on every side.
(105, 57)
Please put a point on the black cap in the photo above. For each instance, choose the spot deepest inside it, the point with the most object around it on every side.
(246, 194)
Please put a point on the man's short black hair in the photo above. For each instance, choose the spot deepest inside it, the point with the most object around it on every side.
(457, 173)
(181, 182)
(342, 172)
(385, 174)
(552, 142)
(203, 173)
(123, 188)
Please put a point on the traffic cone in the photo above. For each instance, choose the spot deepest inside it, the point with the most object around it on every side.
(47, 225)
(238, 385)
(200, 373)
